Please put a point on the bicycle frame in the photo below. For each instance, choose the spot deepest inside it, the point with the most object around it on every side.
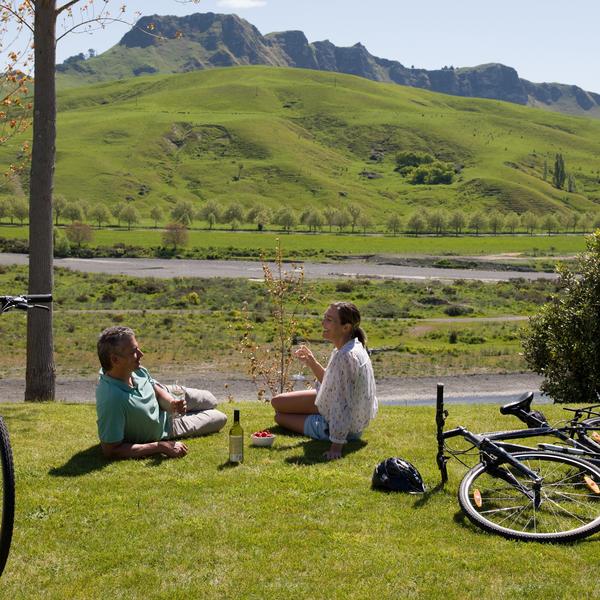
(588, 449)
(492, 454)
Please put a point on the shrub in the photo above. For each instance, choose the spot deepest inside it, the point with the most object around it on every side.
(432, 301)
(108, 297)
(563, 341)
(412, 159)
(62, 247)
(434, 174)
(457, 310)
(382, 308)
(175, 235)
(344, 287)
(79, 233)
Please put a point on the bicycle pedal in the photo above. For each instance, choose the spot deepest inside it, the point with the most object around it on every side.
(591, 484)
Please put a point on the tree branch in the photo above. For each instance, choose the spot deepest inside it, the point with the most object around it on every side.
(17, 16)
(66, 6)
(101, 20)
(98, 20)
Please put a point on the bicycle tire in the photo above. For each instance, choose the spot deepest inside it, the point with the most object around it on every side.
(569, 510)
(8, 495)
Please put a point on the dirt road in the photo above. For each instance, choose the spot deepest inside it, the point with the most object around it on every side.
(165, 268)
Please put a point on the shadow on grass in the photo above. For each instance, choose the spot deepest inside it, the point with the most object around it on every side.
(423, 499)
(461, 519)
(227, 465)
(313, 451)
(82, 463)
(91, 460)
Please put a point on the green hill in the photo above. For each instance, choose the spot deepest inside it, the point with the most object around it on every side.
(306, 138)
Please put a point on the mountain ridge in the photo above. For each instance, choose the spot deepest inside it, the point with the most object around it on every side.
(208, 40)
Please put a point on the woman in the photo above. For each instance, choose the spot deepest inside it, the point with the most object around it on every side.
(344, 402)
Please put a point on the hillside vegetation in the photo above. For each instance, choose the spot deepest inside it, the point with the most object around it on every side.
(304, 138)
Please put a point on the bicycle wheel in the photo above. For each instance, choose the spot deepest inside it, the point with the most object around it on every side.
(570, 499)
(8, 495)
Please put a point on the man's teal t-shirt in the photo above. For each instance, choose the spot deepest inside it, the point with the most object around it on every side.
(129, 414)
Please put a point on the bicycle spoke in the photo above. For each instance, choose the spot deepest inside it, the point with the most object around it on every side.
(565, 503)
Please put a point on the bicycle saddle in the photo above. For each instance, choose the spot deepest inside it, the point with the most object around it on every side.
(522, 404)
(521, 409)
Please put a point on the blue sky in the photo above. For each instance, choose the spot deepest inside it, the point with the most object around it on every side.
(545, 40)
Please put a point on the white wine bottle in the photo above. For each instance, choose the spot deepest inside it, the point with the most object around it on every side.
(236, 440)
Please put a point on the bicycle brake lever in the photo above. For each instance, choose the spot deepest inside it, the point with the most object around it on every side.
(39, 306)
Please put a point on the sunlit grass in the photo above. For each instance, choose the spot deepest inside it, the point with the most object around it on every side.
(282, 523)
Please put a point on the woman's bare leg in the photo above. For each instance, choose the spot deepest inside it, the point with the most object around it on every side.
(291, 409)
(290, 421)
(298, 403)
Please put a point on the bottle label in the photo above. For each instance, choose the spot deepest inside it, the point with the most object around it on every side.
(236, 448)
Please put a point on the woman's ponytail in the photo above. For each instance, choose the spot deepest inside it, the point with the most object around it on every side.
(349, 314)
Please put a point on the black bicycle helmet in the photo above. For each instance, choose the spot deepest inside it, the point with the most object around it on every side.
(398, 475)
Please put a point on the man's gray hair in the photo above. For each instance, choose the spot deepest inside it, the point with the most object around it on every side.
(110, 342)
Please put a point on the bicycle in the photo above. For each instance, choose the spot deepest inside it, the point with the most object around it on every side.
(521, 493)
(6, 458)
(579, 435)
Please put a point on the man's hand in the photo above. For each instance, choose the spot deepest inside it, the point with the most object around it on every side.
(334, 452)
(178, 406)
(173, 449)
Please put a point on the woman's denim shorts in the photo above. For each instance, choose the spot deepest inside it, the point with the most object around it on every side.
(316, 427)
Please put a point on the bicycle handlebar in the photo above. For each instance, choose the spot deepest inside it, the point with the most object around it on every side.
(454, 432)
(24, 302)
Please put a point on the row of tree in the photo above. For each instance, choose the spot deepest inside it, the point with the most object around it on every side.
(437, 221)
(79, 234)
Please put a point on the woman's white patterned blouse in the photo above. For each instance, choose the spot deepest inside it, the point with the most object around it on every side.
(346, 396)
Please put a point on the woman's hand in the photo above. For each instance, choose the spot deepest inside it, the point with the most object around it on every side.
(334, 452)
(305, 355)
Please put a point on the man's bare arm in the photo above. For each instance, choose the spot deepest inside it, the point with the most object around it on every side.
(167, 402)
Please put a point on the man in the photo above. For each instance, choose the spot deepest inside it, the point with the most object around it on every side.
(137, 416)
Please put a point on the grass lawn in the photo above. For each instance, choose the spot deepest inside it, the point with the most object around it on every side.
(282, 525)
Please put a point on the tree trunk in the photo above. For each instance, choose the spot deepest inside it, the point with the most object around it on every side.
(40, 375)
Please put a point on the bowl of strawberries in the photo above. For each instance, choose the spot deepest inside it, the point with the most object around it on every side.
(262, 438)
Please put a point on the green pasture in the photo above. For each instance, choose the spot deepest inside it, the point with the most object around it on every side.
(269, 136)
(301, 245)
(187, 322)
(282, 524)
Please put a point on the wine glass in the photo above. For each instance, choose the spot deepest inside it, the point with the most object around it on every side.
(178, 392)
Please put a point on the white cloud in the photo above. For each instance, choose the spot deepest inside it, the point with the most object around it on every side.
(240, 4)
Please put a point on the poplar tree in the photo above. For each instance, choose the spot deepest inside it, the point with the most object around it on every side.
(559, 175)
